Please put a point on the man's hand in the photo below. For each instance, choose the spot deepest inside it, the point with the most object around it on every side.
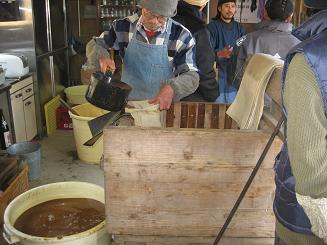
(107, 64)
(226, 52)
(164, 98)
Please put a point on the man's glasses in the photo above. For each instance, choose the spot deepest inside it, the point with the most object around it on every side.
(149, 15)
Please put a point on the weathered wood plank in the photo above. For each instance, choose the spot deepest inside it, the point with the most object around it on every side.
(170, 117)
(191, 122)
(165, 196)
(207, 118)
(221, 116)
(215, 116)
(177, 113)
(149, 221)
(201, 116)
(156, 240)
(228, 148)
(184, 115)
(183, 182)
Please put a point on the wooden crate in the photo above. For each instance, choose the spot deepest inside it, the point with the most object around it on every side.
(183, 182)
(177, 185)
(17, 187)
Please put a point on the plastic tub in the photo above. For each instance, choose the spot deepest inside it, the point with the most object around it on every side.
(82, 133)
(76, 94)
(28, 153)
(95, 236)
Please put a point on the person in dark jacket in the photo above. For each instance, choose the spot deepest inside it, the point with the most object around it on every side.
(272, 36)
(189, 14)
(225, 32)
(300, 203)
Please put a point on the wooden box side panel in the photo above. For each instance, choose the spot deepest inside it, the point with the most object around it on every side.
(184, 182)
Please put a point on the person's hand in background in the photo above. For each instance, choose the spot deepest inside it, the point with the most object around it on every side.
(164, 98)
(226, 52)
(107, 64)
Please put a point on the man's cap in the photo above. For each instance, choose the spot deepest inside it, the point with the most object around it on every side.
(220, 2)
(316, 4)
(279, 9)
(199, 3)
(167, 8)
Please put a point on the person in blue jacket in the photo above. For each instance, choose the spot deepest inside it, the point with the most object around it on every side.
(224, 32)
(300, 203)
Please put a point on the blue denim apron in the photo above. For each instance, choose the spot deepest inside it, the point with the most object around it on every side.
(146, 66)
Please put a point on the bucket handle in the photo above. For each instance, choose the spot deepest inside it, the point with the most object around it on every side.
(8, 236)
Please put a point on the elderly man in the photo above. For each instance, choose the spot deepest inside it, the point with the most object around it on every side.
(158, 54)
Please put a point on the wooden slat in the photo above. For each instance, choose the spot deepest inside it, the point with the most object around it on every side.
(191, 120)
(207, 117)
(147, 221)
(222, 116)
(228, 148)
(228, 120)
(170, 117)
(156, 240)
(212, 196)
(184, 115)
(215, 116)
(177, 114)
(201, 116)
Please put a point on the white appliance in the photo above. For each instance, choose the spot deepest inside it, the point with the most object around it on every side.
(15, 65)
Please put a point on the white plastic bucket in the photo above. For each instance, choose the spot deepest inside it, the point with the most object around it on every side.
(82, 132)
(94, 236)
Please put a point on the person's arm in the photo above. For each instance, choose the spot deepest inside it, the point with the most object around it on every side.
(306, 129)
(242, 57)
(97, 52)
(186, 79)
(205, 58)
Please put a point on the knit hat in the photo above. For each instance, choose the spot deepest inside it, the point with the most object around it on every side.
(199, 3)
(167, 8)
(316, 4)
(220, 2)
(279, 9)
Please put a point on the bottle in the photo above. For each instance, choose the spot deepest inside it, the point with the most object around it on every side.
(4, 132)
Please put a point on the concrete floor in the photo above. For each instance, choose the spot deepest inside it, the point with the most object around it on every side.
(60, 163)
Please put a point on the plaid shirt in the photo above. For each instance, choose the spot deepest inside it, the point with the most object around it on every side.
(181, 45)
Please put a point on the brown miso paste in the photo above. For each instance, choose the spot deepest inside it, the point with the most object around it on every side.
(61, 217)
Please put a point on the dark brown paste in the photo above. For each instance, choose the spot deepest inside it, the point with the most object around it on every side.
(61, 217)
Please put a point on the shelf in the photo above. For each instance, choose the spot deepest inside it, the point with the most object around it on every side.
(117, 6)
(111, 17)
